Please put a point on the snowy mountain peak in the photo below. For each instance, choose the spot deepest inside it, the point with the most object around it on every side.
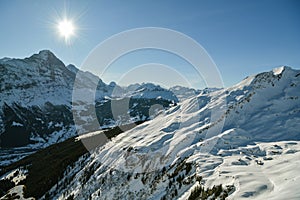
(46, 57)
(267, 78)
(150, 86)
(151, 91)
(275, 75)
(46, 54)
(278, 70)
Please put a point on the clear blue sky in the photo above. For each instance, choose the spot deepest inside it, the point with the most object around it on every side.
(243, 37)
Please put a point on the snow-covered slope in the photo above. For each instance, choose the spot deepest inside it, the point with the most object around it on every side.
(241, 136)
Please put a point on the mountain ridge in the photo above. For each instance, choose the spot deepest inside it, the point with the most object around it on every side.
(42, 83)
(216, 143)
(261, 115)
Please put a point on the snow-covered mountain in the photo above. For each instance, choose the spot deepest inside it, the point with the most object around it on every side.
(241, 142)
(184, 93)
(37, 104)
(245, 137)
(35, 91)
(150, 91)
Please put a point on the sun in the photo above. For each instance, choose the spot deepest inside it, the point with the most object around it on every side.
(66, 29)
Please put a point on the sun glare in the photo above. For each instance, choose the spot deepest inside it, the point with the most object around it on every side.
(66, 29)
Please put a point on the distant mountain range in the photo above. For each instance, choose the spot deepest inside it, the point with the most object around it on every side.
(36, 100)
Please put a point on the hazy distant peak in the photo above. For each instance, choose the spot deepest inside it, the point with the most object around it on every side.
(150, 86)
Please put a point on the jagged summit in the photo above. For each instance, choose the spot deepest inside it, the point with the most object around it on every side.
(45, 55)
(265, 78)
(280, 70)
(48, 57)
